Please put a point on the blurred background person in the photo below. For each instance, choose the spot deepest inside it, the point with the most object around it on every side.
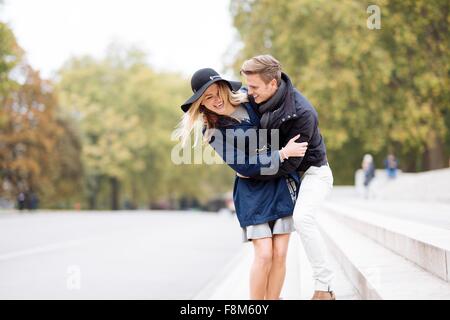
(21, 201)
(391, 165)
(369, 173)
(33, 201)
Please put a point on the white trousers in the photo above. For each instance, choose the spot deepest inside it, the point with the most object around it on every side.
(317, 183)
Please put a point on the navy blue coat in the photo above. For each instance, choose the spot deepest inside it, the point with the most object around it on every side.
(296, 115)
(256, 201)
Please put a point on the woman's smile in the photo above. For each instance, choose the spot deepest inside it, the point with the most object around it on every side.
(219, 106)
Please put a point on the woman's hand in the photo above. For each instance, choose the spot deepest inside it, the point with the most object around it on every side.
(295, 149)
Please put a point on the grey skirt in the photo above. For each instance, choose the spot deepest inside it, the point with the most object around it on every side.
(268, 229)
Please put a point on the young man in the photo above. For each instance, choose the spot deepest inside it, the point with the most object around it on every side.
(283, 107)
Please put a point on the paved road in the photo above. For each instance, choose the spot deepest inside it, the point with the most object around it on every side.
(106, 255)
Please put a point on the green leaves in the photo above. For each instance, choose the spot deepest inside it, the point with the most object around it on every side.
(374, 89)
(126, 114)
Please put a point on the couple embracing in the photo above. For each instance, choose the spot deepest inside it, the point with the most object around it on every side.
(282, 176)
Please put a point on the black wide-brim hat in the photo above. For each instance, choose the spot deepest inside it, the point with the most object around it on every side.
(201, 80)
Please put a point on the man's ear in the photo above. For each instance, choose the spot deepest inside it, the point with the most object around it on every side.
(273, 83)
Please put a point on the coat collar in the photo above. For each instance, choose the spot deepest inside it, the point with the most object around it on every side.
(286, 109)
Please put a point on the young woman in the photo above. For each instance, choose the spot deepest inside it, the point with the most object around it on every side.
(263, 207)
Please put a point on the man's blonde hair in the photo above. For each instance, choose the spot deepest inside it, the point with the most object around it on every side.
(265, 65)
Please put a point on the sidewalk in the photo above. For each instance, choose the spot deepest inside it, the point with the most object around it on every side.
(381, 249)
(233, 282)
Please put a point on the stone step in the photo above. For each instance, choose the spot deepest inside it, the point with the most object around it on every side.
(375, 271)
(427, 246)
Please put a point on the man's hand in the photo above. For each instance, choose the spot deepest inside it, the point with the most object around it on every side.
(295, 149)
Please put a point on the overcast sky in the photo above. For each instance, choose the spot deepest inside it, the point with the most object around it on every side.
(178, 35)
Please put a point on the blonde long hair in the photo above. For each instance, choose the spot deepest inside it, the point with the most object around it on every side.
(198, 116)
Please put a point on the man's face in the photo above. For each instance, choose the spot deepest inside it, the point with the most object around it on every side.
(258, 89)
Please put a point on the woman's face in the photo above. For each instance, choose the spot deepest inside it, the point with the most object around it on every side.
(213, 102)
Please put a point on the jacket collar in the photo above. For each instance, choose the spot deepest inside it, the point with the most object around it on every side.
(284, 111)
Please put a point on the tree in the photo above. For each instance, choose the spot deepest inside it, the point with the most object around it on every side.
(126, 114)
(375, 90)
(32, 135)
